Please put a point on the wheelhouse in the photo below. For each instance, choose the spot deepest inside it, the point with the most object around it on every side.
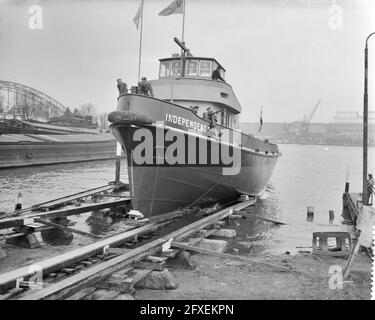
(194, 67)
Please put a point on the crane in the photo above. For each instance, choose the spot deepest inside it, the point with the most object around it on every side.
(307, 118)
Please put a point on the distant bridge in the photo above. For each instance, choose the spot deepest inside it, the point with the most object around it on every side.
(29, 102)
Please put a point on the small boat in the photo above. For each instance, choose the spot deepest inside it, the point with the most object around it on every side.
(183, 144)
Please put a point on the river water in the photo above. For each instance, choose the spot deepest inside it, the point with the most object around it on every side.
(305, 175)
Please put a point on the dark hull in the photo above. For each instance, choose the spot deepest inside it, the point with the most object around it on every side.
(157, 189)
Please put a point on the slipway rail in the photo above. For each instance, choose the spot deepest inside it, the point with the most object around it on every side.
(74, 273)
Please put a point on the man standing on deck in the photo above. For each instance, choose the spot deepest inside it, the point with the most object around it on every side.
(144, 87)
(122, 87)
(216, 75)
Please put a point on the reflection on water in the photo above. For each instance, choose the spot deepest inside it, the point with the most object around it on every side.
(304, 176)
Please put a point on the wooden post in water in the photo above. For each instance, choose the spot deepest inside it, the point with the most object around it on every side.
(347, 181)
(310, 213)
(331, 215)
(118, 162)
(18, 204)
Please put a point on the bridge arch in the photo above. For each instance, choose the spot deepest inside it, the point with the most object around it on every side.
(29, 102)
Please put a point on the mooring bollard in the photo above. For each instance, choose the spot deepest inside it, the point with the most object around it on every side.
(331, 215)
(310, 213)
(18, 205)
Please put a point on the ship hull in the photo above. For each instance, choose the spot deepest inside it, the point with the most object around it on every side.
(161, 188)
(33, 150)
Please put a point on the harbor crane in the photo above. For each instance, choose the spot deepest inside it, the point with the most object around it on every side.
(300, 129)
(307, 118)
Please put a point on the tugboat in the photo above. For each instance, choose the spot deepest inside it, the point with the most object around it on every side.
(183, 144)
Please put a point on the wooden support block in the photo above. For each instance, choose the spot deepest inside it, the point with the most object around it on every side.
(105, 294)
(79, 266)
(219, 224)
(155, 259)
(211, 244)
(68, 270)
(57, 225)
(225, 233)
(117, 250)
(28, 241)
(150, 265)
(117, 282)
(171, 253)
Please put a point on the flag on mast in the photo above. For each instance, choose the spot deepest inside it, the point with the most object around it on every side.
(139, 15)
(261, 118)
(177, 6)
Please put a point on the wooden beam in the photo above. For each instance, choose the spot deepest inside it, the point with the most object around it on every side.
(61, 200)
(72, 197)
(8, 279)
(59, 226)
(73, 284)
(96, 273)
(200, 224)
(189, 247)
(266, 219)
(24, 220)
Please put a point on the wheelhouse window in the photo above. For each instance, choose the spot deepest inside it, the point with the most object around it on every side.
(205, 68)
(192, 67)
(176, 68)
(165, 69)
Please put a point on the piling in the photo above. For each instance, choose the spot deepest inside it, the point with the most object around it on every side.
(18, 205)
(331, 215)
(118, 162)
(347, 181)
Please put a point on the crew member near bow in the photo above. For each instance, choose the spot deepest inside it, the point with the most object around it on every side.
(122, 87)
(144, 87)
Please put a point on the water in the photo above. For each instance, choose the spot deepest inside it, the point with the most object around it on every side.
(39, 184)
(304, 176)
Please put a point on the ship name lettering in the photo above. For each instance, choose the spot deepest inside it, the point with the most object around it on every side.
(185, 122)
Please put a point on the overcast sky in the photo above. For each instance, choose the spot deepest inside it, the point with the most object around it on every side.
(279, 54)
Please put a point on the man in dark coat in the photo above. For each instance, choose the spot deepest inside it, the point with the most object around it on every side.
(216, 74)
(122, 87)
(144, 87)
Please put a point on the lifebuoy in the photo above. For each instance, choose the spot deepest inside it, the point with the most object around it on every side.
(29, 155)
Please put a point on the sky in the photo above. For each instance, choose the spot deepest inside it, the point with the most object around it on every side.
(283, 55)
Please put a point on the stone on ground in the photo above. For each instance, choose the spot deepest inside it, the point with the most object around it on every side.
(182, 260)
(158, 280)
